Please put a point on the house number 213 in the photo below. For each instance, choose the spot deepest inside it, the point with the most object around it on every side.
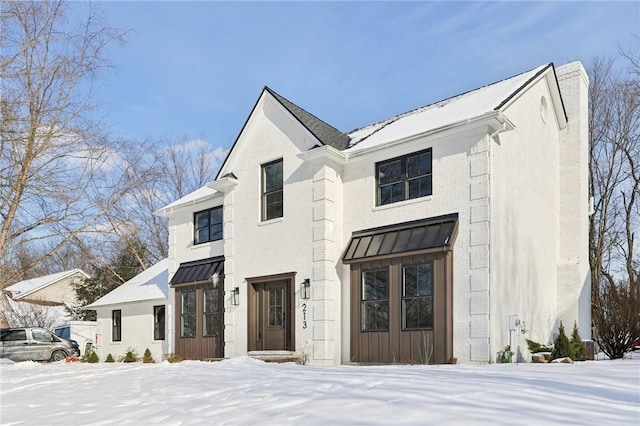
(304, 315)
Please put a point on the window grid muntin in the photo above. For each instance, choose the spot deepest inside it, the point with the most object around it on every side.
(275, 306)
(188, 314)
(417, 297)
(208, 225)
(413, 180)
(211, 312)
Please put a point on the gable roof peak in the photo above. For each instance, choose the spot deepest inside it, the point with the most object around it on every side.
(324, 132)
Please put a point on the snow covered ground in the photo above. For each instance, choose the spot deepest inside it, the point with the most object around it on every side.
(246, 391)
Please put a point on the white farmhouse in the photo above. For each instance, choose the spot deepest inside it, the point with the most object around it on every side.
(449, 231)
(134, 315)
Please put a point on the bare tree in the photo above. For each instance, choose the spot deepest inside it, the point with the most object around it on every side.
(614, 133)
(58, 175)
(171, 170)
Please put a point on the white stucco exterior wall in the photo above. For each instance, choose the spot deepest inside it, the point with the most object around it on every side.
(574, 276)
(525, 222)
(254, 248)
(452, 193)
(136, 331)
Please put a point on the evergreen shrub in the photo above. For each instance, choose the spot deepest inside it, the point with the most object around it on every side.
(561, 346)
(147, 358)
(93, 358)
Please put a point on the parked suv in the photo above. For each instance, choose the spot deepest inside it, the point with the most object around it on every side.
(35, 344)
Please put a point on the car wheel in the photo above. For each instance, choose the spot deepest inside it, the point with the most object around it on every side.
(58, 356)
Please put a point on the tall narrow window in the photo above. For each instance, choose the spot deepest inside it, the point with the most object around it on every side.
(404, 178)
(116, 325)
(275, 306)
(158, 322)
(272, 192)
(417, 296)
(211, 312)
(188, 316)
(375, 300)
(208, 225)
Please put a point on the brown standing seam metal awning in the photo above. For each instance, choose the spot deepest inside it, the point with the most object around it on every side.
(401, 238)
(198, 270)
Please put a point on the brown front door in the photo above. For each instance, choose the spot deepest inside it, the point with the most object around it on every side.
(270, 316)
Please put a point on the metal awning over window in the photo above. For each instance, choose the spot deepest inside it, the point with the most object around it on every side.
(198, 271)
(436, 232)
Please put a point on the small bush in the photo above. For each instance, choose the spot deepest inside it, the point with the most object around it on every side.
(577, 348)
(93, 358)
(109, 358)
(147, 358)
(535, 347)
(172, 358)
(561, 346)
(130, 356)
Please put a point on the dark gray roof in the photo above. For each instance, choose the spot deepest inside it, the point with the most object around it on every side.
(402, 238)
(325, 133)
(198, 270)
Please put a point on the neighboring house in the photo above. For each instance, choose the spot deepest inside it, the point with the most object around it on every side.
(134, 315)
(449, 231)
(54, 288)
(41, 301)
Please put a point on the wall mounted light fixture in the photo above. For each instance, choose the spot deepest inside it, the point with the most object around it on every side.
(305, 289)
(235, 296)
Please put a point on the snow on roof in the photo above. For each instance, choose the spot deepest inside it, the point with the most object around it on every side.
(446, 112)
(150, 284)
(199, 194)
(23, 288)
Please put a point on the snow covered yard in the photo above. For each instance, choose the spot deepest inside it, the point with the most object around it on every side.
(246, 391)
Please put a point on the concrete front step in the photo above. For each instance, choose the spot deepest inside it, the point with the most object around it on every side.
(276, 356)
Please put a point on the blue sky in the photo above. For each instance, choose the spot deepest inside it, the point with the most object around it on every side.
(197, 68)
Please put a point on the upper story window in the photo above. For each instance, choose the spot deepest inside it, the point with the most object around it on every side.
(208, 225)
(404, 178)
(272, 184)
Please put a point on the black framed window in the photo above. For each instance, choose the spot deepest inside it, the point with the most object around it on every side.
(375, 300)
(158, 322)
(272, 190)
(188, 314)
(116, 325)
(211, 312)
(208, 225)
(417, 296)
(404, 178)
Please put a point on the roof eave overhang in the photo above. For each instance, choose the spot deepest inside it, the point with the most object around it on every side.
(167, 211)
(128, 302)
(324, 154)
(491, 122)
(224, 184)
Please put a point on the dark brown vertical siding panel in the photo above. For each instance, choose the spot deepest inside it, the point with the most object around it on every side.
(395, 312)
(176, 322)
(439, 311)
(355, 315)
(449, 305)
